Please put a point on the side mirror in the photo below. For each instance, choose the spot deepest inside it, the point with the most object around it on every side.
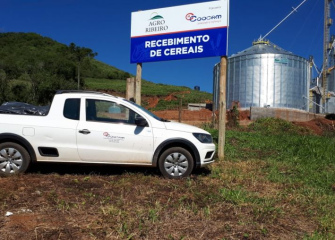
(141, 122)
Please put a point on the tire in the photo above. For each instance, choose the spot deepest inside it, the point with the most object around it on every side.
(14, 159)
(176, 163)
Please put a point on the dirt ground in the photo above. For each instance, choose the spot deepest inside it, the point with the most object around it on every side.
(104, 202)
(66, 202)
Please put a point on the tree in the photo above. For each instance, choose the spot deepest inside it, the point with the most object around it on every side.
(80, 54)
(3, 86)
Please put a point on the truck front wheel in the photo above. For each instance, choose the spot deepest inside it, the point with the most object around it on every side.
(14, 159)
(176, 163)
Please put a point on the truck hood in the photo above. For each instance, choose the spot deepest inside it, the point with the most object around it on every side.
(176, 126)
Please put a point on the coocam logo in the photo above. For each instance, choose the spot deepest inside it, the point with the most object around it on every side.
(193, 18)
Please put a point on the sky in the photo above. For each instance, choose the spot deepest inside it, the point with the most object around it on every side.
(104, 26)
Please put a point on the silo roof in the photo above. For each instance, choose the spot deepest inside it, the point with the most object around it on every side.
(262, 48)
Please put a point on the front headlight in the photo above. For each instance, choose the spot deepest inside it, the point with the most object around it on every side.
(204, 138)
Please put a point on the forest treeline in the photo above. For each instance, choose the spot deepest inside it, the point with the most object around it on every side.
(33, 67)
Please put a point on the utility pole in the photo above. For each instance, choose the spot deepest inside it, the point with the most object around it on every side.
(326, 47)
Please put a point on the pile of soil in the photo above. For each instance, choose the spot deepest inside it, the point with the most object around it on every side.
(319, 126)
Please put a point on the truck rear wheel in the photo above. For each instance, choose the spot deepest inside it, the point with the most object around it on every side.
(176, 163)
(14, 159)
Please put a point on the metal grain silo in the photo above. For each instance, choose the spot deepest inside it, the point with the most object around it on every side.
(265, 75)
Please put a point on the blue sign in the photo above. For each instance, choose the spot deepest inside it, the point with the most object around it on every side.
(184, 45)
(180, 32)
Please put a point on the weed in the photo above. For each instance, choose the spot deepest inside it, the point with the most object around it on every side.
(234, 196)
(189, 182)
(86, 179)
(63, 205)
(233, 117)
(110, 210)
(267, 213)
(207, 211)
(216, 172)
(264, 231)
(153, 215)
(123, 230)
(52, 197)
(245, 235)
(320, 236)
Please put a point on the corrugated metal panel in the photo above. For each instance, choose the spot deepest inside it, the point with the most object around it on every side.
(257, 78)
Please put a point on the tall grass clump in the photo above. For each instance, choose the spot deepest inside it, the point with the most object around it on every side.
(276, 126)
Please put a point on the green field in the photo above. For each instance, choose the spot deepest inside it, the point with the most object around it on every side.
(150, 89)
(277, 181)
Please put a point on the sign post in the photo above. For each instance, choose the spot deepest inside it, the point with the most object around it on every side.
(183, 32)
(130, 89)
(138, 84)
(222, 107)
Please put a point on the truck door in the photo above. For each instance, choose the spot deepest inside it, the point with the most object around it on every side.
(107, 133)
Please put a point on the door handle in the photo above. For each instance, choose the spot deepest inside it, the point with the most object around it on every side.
(84, 131)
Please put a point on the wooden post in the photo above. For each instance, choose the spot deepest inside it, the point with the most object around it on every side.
(180, 109)
(138, 83)
(222, 107)
(130, 90)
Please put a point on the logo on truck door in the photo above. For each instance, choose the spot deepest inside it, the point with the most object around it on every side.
(112, 139)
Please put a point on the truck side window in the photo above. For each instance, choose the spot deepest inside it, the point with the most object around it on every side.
(107, 111)
(72, 108)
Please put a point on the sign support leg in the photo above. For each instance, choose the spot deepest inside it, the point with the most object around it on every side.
(222, 107)
(138, 84)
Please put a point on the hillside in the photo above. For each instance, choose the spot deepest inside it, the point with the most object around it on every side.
(33, 67)
(22, 52)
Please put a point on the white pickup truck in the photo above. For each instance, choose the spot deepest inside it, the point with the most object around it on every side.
(93, 127)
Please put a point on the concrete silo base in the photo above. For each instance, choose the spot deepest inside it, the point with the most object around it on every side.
(288, 114)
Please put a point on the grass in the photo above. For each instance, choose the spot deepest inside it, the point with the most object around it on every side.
(150, 89)
(293, 166)
(269, 186)
(106, 84)
(302, 165)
